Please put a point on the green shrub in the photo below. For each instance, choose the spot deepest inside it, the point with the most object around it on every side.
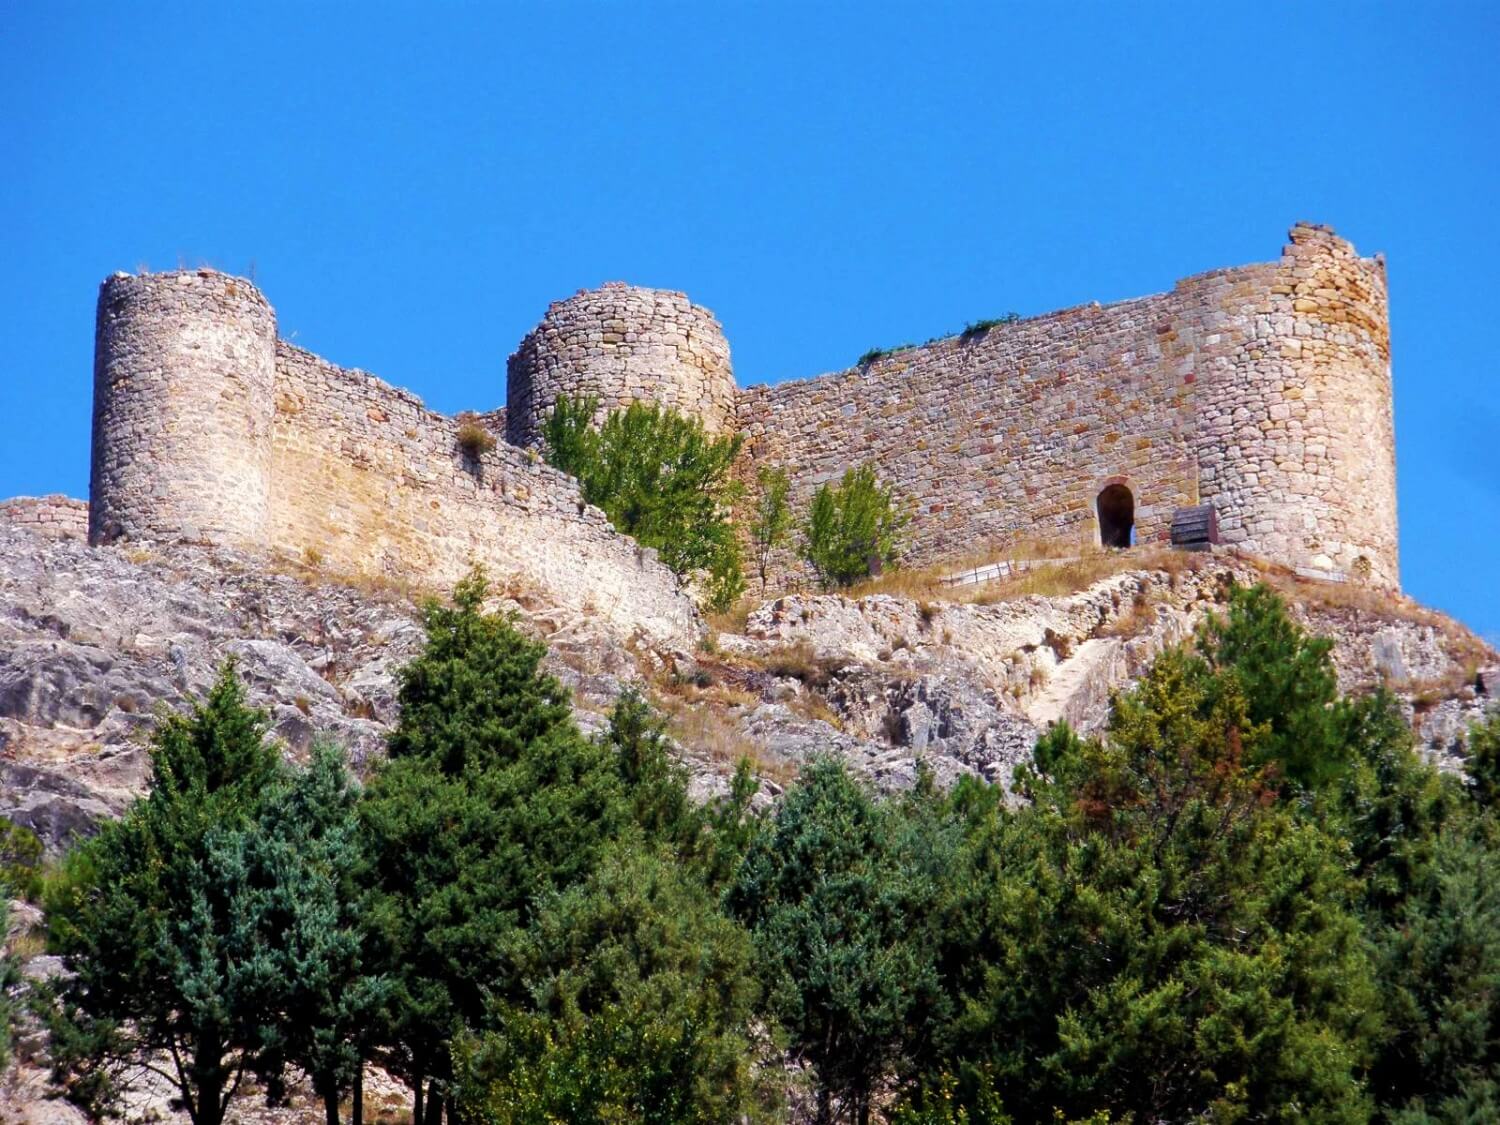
(661, 478)
(772, 526)
(852, 528)
(20, 860)
(976, 328)
(880, 353)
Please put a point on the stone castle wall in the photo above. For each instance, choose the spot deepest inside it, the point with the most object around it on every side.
(1263, 389)
(1295, 443)
(184, 381)
(621, 344)
(55, 516)
(334, 465)
(1004, 436)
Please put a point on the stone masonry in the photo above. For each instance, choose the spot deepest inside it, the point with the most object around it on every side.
(1263, 390)
(620, 344)
(209, 429)
(55, 516)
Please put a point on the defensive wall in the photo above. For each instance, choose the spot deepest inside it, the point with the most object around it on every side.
(1262, 390)
(208, 428)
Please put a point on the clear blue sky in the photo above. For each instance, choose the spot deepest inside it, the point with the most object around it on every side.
(412, 187)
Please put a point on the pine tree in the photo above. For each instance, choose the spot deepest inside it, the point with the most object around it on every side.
(151, 919)
(838, 899)
(490, 799)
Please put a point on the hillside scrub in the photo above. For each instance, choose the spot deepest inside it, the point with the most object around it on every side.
(1248, 899)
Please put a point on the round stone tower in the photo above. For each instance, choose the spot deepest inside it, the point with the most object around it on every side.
(621, 344)
(184, 394)
(1296, 443)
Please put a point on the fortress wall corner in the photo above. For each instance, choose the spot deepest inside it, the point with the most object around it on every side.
(621, 344)
(184, 373)
(1295, 436)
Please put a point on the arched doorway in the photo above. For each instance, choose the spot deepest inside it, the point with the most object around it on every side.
(1116, 508)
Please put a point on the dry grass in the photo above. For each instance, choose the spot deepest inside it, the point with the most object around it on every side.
(1060, 579)
(1134, 620)
(1049, 573)
(28, 944)
(734, 619)
(797, 661)
(700, 728)
(473, 438)
(1465, 649)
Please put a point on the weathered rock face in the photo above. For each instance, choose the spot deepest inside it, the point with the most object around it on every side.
(1045, 659)
(94, 640)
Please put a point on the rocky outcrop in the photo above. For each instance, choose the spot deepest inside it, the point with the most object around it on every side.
(1039, 660)
(94, 641)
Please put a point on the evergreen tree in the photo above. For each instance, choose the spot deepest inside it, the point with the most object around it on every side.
(491, 799)
(1484, 762)
(1288, 682)
(837, 894)
(302, 857)
(639, 998)
(1155, 935)
(155, 927)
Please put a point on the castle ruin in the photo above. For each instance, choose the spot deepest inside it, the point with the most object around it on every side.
(1263, 391)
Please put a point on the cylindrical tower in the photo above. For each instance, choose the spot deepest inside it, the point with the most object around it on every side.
(621, 344)
(1295, 434)
(184, 395)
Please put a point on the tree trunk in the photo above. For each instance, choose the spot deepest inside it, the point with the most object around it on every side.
(331, 1104)
(357, 1110)
(210, 1107)
(417, 1116)
(434, 1104)
(825, 1106)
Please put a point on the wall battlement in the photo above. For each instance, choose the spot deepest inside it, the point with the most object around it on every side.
(1263, 390)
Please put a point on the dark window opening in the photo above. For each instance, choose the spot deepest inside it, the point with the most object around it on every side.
(1116, 516)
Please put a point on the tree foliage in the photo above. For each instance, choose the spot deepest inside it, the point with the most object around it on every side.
(852, 529)
(834, 892)
(640, 997)
(772, 525)
(165, 934)
(1247, 899)
(661, 478)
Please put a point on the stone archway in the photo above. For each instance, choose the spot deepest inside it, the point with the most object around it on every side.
(1115, 506)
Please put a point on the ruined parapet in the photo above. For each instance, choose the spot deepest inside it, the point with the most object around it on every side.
(53, 517)
(621, 344)
(184, 394)
(1294, 432)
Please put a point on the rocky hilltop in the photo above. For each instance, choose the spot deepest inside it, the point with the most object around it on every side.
(94, 640)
